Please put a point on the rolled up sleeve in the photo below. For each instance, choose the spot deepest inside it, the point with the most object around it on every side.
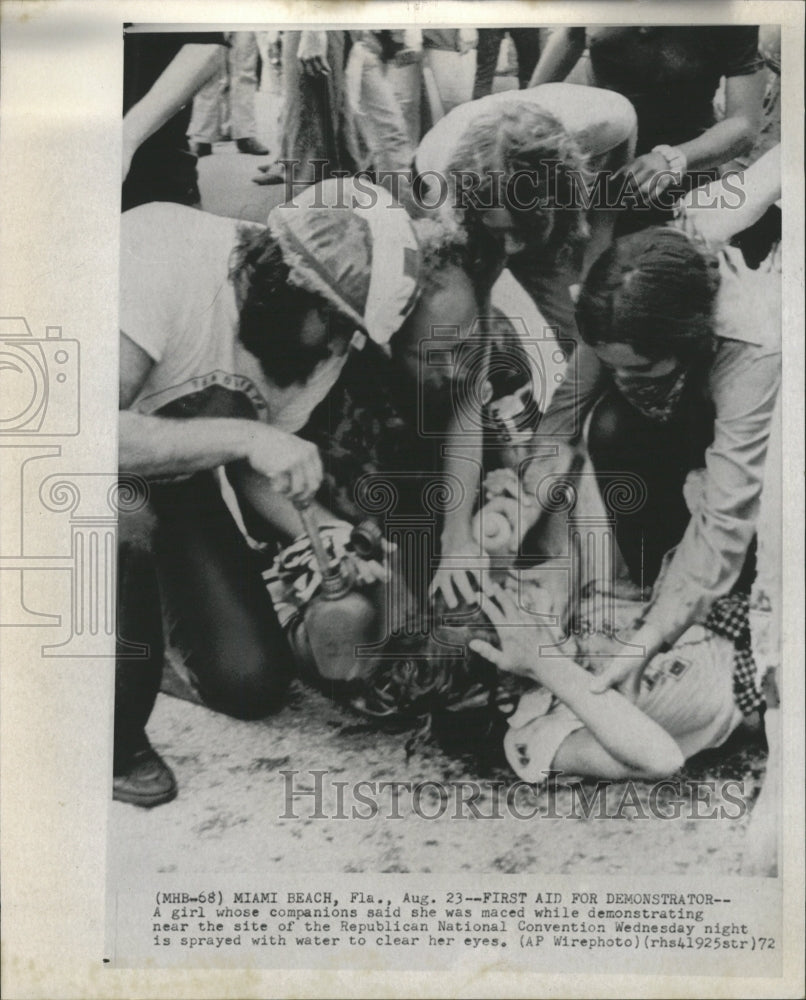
(744, 385)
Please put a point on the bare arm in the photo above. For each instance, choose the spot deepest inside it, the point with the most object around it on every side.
(191, 67)
(730, 205)
(617, 730)
(162, 446)
(619, 735)
(276, 510)
(731, 137)
(581, 753)
(559, 57)
(737, 132)
(463, 461)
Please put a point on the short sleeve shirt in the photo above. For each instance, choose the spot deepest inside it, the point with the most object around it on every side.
(597, 121)
(178, 304)
(671, 74)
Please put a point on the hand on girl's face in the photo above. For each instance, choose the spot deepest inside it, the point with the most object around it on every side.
(517, 630)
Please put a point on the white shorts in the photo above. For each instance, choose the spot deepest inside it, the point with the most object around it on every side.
(688, 691)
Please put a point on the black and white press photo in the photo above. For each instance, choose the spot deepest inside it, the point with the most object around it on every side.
(444, 589)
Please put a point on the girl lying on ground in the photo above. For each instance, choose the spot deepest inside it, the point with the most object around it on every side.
(468, 663)
(685, 703)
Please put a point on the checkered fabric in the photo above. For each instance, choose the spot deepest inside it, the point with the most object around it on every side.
(730, 617)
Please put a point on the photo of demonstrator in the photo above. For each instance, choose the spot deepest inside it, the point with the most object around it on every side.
(455, 421)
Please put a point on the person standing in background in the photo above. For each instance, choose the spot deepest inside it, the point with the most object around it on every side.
(405, 74)
(161, 73)
(313, 118)
(226, 103)
(527, 47)
(378, 134)
(449, 67)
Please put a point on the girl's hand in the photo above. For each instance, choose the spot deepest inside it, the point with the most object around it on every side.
(516, 629)
(622, 673)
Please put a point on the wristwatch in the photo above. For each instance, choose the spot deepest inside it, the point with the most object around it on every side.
(676, 159)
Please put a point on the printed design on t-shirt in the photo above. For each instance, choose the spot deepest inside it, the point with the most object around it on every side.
(523, 756)
(659, 670)
(202, 384)
(678, 667)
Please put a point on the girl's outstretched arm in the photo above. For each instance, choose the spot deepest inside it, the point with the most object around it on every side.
(620, 740)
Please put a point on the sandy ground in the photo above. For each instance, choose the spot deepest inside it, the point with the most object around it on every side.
(228, 817)
(232, 796)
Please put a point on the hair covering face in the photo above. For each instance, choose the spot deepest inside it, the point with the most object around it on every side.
(348, 241)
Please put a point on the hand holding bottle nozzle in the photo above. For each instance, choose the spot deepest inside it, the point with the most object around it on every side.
(334, 580)
(370, 549)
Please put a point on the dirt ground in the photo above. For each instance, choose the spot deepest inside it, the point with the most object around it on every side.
(228, 817)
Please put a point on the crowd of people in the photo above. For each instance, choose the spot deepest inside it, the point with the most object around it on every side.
(623, 186)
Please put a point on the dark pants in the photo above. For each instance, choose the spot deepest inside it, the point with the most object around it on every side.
(313, 115)
(151, 179)
(527, 45)
(201, 568)
(623, 440)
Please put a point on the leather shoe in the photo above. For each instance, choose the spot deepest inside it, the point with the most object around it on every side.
(271, 174)
(147, 781)
(251, 146)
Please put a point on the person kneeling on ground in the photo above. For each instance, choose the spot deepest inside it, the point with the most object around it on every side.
(679, 372)
(230, 336)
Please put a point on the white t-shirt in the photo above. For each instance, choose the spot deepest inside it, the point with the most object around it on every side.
(598, 119)
(687, 690)
(178, 305)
